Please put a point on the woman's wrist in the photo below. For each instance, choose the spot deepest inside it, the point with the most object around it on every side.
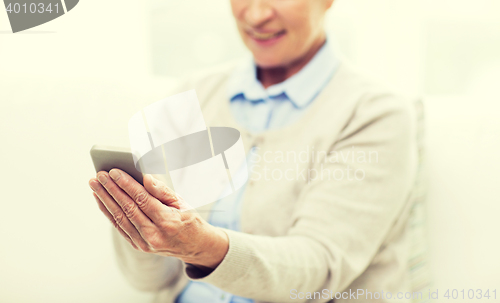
(212, 249)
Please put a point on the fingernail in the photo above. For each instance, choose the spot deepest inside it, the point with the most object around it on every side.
(153, 180)
(114, 174)
(93, 186)
(102, 179)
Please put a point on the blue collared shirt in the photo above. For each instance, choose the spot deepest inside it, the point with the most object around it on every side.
(258, 109)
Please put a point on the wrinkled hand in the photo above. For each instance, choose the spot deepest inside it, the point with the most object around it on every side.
(154, 219)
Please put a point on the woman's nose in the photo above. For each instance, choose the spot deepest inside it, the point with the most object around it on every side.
(258, 12)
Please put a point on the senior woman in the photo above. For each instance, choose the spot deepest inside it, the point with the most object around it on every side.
(324, 215)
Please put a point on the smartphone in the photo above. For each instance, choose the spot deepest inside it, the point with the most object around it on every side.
(106, 158)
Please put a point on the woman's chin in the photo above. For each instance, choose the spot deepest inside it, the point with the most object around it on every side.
(269, 62)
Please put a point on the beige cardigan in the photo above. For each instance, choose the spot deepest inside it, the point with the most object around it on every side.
(327, 234)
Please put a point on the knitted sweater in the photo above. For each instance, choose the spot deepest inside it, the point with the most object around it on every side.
(325, 214)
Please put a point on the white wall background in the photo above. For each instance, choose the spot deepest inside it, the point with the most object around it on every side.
(75, 81)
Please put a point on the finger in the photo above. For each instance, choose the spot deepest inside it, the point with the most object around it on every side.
(106, 213)
(129, 207)
(165, 194)
(148, 204)
(118, 215)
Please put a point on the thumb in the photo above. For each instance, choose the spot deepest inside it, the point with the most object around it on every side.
(164, 194)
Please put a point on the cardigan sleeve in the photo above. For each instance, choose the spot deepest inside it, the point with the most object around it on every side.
(145, 271)
(338, 226)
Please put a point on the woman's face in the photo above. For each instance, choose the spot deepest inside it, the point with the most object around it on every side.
(279, 32)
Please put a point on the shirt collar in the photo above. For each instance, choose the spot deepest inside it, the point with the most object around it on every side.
(301, 88)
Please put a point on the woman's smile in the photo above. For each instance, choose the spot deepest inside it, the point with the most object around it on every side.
(265, 38)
